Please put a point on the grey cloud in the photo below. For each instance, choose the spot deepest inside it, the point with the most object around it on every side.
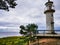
(27, 11)
(57, 4)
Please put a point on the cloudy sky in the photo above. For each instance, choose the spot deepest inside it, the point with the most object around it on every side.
(27, 12)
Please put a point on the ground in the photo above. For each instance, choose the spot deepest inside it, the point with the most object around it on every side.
(47, 41)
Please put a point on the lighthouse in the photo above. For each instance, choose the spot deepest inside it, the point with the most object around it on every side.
(50, 37)
(49, 11)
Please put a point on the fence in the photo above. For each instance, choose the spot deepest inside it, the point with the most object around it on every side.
(46, 33)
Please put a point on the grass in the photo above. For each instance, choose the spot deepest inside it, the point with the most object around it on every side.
(20, 40)
(16, 40)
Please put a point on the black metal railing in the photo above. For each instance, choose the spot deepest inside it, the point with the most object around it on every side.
(46, 31)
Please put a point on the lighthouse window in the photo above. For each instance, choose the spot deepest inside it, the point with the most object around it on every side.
(52, 15)
(52, 22)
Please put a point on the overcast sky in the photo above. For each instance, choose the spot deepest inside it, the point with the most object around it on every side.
(27, 12)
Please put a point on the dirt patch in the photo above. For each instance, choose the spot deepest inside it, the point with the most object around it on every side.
(47, 41)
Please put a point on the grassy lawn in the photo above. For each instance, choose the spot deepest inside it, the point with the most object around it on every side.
(17, 40)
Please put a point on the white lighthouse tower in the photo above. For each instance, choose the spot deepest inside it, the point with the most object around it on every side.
(49, 17)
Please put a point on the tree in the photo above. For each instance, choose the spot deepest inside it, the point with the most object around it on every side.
(28, 31)
(6, 4)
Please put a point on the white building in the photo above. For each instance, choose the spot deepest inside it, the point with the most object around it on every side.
(49, 17)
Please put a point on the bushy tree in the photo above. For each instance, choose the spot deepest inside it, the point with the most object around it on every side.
(28, 30)
(6, 4)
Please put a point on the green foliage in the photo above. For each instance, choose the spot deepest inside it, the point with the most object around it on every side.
(28, 30)
(13, 41)
(6, 4)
